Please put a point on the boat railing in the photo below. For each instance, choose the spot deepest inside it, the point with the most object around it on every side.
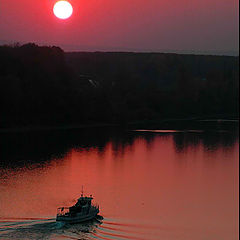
(95, 205)
(62, 211)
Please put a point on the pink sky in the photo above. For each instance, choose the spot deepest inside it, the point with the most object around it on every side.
(206, 26)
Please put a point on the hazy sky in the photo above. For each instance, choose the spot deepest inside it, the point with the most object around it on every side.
(141, 25)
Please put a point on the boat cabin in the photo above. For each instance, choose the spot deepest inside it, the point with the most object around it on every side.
(83, 206)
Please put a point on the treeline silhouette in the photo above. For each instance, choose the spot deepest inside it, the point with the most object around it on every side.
(46, 86)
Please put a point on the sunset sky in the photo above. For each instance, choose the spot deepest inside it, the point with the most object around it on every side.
(206, 26)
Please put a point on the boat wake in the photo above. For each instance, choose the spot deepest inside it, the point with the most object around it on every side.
(106, 229)
(40, 228)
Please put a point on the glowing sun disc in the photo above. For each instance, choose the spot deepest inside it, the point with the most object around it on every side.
(62, 9)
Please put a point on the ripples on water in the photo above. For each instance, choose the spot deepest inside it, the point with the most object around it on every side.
(150, 185)
(50, 229)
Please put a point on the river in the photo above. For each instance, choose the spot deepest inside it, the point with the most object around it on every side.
(150, 185)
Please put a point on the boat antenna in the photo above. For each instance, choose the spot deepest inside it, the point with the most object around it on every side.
(82, 191)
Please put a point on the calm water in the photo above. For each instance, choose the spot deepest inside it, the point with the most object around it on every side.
(149, 185)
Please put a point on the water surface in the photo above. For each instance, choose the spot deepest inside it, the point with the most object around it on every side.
(149, 185)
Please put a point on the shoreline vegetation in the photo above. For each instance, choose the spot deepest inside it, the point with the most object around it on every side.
(45, 88)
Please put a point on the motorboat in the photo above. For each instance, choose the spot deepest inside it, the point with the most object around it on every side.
(83, 210)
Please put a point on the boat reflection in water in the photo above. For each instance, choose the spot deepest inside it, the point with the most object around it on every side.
(82, 211)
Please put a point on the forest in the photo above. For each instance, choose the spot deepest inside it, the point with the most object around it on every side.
(45, 86)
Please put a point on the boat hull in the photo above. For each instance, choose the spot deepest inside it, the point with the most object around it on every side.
(76, 219)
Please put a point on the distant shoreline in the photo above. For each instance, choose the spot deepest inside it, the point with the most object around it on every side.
(50, 128)
(45, 88)
(176, 124)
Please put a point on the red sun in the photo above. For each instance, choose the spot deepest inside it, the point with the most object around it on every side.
(62, 9)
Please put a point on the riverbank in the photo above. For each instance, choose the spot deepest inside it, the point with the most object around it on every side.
(187, 124)
(50, 128)
(166, 124)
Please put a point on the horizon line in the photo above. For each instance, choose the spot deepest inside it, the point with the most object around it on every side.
(70, 48)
